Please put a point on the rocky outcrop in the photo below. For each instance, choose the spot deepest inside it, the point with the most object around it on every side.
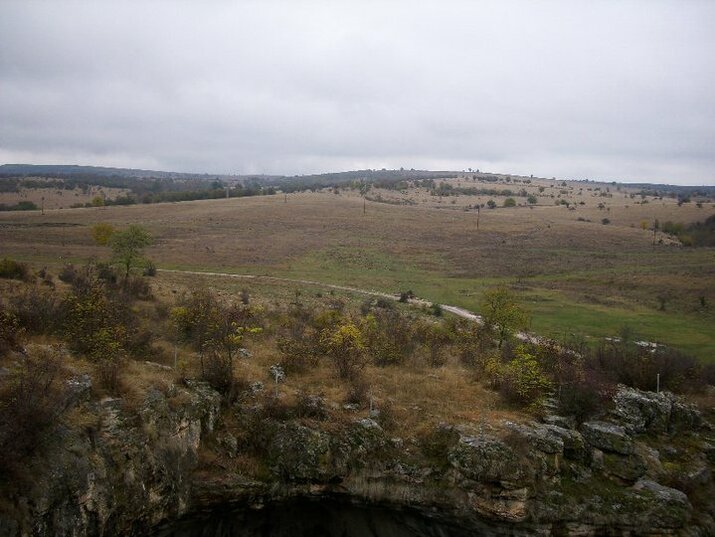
(138, 471)
(607, 437)
(658, 413)
(122, 473)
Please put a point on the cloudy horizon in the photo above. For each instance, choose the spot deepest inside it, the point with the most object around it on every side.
(577, 90)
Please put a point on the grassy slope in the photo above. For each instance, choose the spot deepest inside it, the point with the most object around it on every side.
(576, 277)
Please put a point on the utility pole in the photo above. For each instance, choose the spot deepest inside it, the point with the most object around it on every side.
(227, 192)
(285, 198)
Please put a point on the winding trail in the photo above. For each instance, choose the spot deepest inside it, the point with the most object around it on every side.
(455, 310)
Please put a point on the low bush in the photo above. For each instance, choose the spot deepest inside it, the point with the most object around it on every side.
(150, 269)
(32, 399)
(12, 335)
(521, 380)
(358, 391)
(38, 310)
(14, 270)
(68, 274)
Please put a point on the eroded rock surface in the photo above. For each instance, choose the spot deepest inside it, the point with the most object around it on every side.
(170, 467)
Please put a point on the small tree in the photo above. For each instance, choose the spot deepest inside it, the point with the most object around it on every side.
(523, 380)
(127, 247)
(102, 233)
(502, 314)
(510, 202)
(492, 204)
(216, 331)
(345, 345)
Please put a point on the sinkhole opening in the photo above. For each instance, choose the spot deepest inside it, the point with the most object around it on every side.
(319, 518)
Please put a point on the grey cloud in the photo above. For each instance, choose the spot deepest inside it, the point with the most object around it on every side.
(608, 90)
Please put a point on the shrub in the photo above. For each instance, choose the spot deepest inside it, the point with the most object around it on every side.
(218, 372)
(582, 392)
(345, 345)
(14, 270)
(358, 391)
(387, 417)
(216, 331)
(102, 233)
(388, 337)
(138, 287)
(299, 353)
(32, 400)
(108, 369)
(472, 345)
(94, 326)
(627, 363)
(405, 296)
(523, 381)
(245, 297)
(605, 221)
(11, 333)
(68, 274)
(311, 406)
(437, 337)
(510, 202)
(37, 310)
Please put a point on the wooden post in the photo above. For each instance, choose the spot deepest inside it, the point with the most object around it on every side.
(477, 217)
(42, 204)
(364, 206)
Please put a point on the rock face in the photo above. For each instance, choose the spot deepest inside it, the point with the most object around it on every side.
(648, 412)
(607, 437)
(138, 471)
(127, 473)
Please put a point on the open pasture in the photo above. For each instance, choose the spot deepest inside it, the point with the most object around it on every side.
(576, 274)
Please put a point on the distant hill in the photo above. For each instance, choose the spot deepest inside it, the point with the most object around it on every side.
(297, 182)
(58, 170)
(71, 170)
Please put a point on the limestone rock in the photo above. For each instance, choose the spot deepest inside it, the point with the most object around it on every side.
(626, 467)
(573, 442)
(539, 437)
(485, 458)
(667, 507)
(299, 454)
(607, 437)
(658, 413)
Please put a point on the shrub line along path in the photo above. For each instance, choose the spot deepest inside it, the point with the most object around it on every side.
(455, 310)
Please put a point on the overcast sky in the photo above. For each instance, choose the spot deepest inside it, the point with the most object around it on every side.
(600, 90)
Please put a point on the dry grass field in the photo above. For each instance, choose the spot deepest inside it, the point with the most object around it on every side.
(576, 274)
(60, 198)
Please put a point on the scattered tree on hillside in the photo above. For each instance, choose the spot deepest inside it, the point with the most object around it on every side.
(102, 232)
(502, 314)
(128, 245)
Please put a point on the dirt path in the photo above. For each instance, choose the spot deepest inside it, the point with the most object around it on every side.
(455, 310)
